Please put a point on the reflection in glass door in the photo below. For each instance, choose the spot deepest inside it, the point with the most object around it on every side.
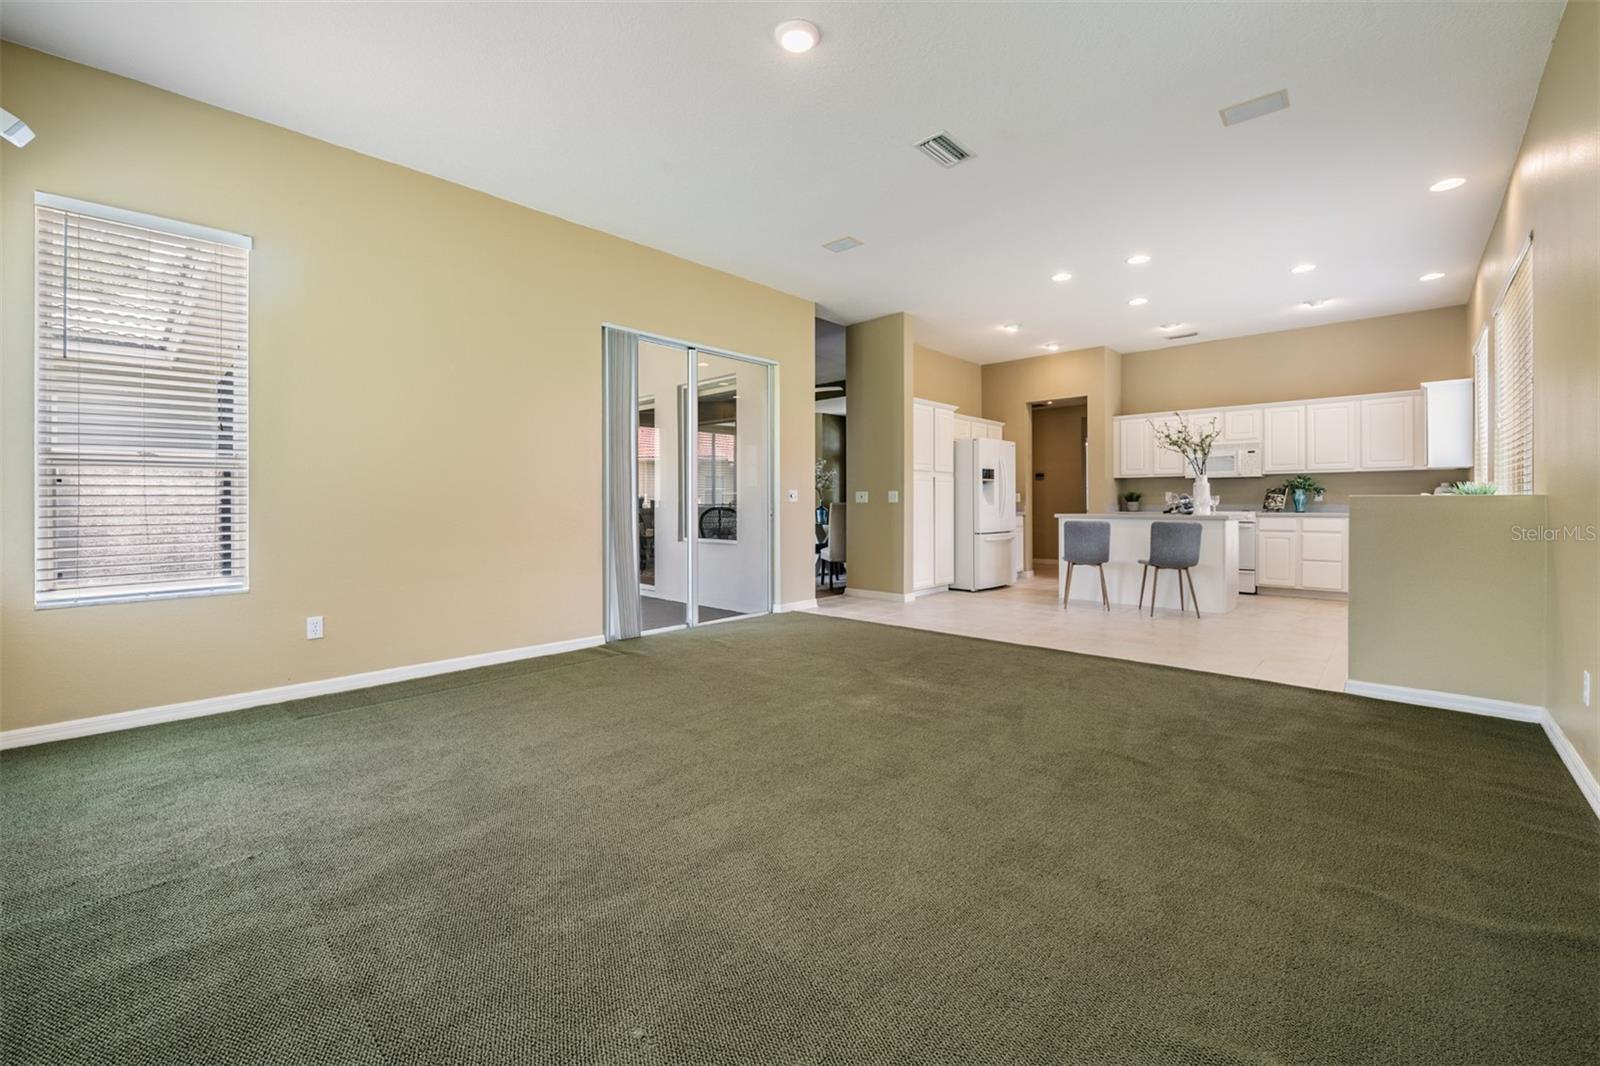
(689, 490)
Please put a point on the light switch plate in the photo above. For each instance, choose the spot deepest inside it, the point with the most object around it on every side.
(894, 496)
(794, 495)
(861, 495)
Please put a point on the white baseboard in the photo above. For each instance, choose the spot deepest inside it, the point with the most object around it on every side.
(796, 605)
(1574, 762)
(173, 712)
(874, 594)
(1449, 701)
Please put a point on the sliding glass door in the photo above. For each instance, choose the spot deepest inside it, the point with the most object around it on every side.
(689, 485)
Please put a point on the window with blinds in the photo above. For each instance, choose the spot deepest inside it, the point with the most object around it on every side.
(1513, 382)
(142, 418)
(1481, 421)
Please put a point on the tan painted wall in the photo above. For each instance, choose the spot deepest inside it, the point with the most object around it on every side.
(1445, 596)
(1094, 374)
(878, 376)
(1343, 359)
(947, 379)
(1058, 453)
(425, 408)
(1555, 194)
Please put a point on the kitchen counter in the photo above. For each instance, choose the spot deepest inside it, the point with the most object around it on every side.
(1216, 576)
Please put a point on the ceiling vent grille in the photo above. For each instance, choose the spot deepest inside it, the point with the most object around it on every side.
(943, 149)
(1261, 105)
(1184, 336)
(842, 244)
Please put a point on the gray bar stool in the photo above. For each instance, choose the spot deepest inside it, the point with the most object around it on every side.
(1086, 544)
(1173, 546)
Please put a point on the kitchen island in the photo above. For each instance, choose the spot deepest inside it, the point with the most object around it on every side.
(1216, 576)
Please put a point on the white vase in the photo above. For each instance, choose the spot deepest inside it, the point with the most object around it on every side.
(1202, 495)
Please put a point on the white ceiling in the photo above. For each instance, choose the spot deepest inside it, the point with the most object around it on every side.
(1094, 130)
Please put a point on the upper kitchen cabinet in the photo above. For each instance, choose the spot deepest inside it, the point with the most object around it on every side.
(921, 436)
(1283, 439)
(1241, 425)
(1333, 435)
(1133, 442)
(1165, 462)
(944, 440)
(1389, 432)
(1447, 424)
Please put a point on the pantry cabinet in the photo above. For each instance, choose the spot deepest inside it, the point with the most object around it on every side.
(935, 427)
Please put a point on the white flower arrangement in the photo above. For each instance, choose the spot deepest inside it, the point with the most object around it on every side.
(1192, 443)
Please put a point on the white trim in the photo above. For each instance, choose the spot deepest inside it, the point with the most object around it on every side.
(1574, 762)
(873, 594)
(796, 605)
(139, 218)
(919, 593)
(1448, 701)
(173, 712)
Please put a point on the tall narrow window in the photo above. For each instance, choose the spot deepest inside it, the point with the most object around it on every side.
(1482, 440)
(142, 421)
(1513, 381)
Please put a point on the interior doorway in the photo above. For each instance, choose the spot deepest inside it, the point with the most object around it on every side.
(689, 451)
(1060, 468)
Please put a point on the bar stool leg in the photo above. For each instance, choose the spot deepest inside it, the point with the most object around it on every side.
(1195, 596)
(1155, 583)
(1067, 594)
(1105, 597)
(1142, 575)
(1182, 607)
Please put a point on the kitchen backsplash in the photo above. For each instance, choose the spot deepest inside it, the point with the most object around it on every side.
(1239, 491)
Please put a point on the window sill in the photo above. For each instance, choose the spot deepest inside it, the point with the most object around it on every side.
(51, 601)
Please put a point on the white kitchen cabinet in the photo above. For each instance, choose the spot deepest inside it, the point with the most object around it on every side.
(1322, 553)
(1333, 435)
(1133, 445)
(921, 436)
(1283, 439)
(923, 531)
(1165, 462)
(1277, 557)
(944, 528)
(1389, 432)
(1447, 414)
(962, 429)
(944, 440)
(1241, 425)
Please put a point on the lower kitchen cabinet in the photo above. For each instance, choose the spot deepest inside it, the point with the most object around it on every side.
(1303, 552)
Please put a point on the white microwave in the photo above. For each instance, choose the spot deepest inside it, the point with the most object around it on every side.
(1235, 460)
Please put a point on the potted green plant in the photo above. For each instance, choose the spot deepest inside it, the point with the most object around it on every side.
(1194, 444)
(1130, 500)
(1299, 488)
(1474, 488)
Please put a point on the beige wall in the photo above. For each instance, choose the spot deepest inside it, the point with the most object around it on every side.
(1445, 596)
(878, 376)
(1058, 454)
(1555, 194)
(1343, 359)
(1093, 374)
(941, 377)
(425, 408)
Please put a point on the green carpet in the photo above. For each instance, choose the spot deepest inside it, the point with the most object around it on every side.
(797, 840)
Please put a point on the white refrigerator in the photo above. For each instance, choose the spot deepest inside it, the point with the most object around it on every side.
(986, 494)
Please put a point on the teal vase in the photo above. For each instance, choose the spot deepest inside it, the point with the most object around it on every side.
(1299, 499)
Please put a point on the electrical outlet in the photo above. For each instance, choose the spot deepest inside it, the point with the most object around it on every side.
(794, 495)
(314, 627)
(1587, 688)
(861, 495)
(894, 496)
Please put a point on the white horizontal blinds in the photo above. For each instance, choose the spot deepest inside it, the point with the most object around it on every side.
(1513, 382)
(143, 410)
(1481, 422)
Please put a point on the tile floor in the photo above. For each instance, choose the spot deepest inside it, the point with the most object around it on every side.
(1290, 639)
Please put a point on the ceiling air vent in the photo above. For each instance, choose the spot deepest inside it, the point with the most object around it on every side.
(842, 244)
(942, 149)
(1184, 336)
(1261, 105)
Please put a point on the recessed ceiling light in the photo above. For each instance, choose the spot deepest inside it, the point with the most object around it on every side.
(797, 35)
(1010, 327)
(1447, 184)
(1052, 347)
(842, 244)
(1303, 268)
(1061, 275)
(1431, 276)
(1138, 301)
(1138, 260)
(1174, 325)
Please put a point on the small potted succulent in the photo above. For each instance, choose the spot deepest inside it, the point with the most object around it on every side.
(1130, 500)
(1299, 488)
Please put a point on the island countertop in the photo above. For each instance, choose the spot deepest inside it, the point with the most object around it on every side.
(1221, 516)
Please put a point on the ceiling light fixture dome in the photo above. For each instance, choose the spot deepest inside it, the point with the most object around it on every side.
(1138, 260)
(1138, 301)
(1446, 184)
(1010, 327)
(1174, 325)
(1061, 275)
(1303, 268)
(1052, 347)
(797, 35)
(1431, 276)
